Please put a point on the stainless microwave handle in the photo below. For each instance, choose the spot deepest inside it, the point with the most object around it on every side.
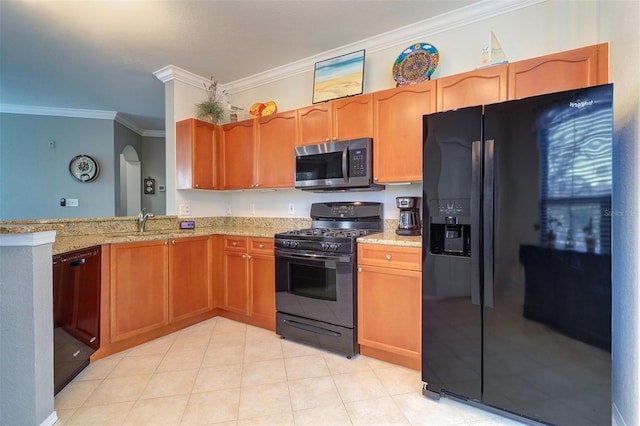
(312, 256)
(345, 159)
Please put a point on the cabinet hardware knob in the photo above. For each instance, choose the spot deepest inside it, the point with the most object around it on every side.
(244, 256)
(327, 139)
(359, 269)
(249, 257)
(375, 178)
(197, 185)
(234, 244)
(261, 245)
(388, 257)
(166, 243)
(173, 242)
(335, 138)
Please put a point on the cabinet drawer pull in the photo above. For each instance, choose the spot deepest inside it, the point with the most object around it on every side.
(388, 257)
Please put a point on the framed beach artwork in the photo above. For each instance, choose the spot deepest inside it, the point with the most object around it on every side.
(338, 77)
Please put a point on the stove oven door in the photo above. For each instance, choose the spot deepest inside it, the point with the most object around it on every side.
(318, 286)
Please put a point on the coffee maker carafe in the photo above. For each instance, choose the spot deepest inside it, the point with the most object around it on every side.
(409, 218)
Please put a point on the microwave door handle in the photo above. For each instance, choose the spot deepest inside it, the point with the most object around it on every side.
(345, 169)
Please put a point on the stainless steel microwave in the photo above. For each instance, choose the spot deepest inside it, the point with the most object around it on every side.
(336, 166)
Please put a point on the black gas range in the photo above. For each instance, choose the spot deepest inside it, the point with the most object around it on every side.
(316, 275)
(334, 228)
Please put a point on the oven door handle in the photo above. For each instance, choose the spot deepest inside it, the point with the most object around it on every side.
(313, 256)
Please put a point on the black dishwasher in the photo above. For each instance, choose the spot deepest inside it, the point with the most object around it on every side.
(76, 312)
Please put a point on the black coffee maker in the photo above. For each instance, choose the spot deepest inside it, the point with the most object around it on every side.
(409, 219)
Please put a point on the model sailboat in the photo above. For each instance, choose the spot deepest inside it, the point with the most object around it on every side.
(493, 54)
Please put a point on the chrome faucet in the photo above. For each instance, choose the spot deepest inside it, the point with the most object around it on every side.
(142, 219)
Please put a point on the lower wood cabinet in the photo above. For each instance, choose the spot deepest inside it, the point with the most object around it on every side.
(390, 303)
(249, 280)
(153, 283)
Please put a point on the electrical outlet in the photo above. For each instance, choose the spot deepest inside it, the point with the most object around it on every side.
(228, 210)
(72, 202)
(184, 210)
(292, 208)
(252, 208)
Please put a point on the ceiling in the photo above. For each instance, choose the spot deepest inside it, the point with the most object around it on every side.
(101, 55)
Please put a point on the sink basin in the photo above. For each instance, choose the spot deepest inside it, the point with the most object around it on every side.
(143, 234)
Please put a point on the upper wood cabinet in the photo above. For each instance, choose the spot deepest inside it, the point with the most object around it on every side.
(397, 137)
(572, 69)
(196, 155)
(478, 87)
(238, 151)
(348, 118)
(276, 140)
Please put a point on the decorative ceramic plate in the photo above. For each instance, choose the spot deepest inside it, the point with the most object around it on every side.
(415, 64)
(262, 109)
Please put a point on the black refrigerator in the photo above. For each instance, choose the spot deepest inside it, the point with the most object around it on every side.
(517, 257)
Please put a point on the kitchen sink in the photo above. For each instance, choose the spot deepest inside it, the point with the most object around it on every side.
(144, 234)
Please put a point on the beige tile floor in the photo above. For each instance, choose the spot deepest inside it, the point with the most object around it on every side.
(227, 373)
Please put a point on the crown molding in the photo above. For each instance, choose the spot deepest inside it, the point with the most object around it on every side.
(154, 133)
(58, 112)
(172, 72)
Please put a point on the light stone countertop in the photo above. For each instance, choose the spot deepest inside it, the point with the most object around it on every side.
(390, 238)
(76, 234)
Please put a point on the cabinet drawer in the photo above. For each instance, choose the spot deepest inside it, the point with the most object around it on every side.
(261, 245)
(390, 256)
(235, 243)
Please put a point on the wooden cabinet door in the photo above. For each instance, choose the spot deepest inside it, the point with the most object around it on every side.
(397, 140)
(314, 124)
(238, 152)
(139, 288)
(353, 118)
(236, 292)
(190, 291)
(277, 138)
(573, 69)
(479, 87)
(389, 312)
(195, 155)
(262, 302)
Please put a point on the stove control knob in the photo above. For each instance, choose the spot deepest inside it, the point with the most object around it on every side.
(294, 244)
(287, 243)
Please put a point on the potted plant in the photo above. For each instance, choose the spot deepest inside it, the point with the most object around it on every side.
(211, 110)
(589, 237)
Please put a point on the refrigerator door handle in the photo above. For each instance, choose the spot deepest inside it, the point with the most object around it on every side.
(476, 191)
(488, 222)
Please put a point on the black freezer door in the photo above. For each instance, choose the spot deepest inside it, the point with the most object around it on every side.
(451, 312)
(547, 314)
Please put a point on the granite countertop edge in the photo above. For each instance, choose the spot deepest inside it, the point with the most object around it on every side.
(68, 243)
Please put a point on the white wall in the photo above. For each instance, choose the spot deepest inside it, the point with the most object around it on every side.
(620, 25)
